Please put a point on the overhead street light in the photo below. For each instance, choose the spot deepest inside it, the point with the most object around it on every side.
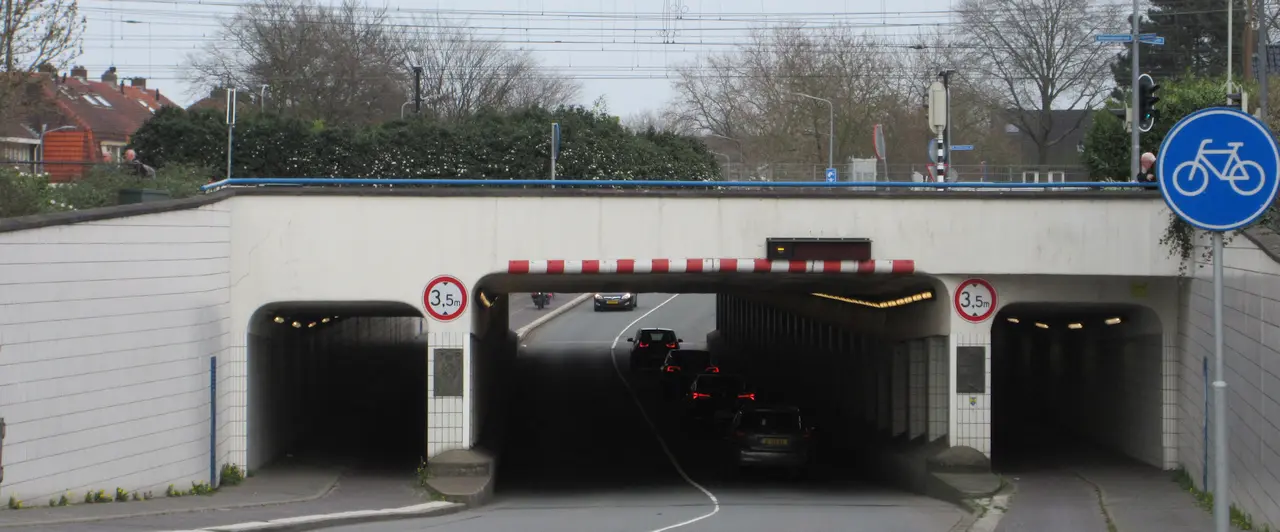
(831, 140)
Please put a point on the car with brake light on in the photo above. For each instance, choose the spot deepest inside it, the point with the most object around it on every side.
(717, 397)
(649, 347)
(771, 436)
(624, 300)
(681, 366)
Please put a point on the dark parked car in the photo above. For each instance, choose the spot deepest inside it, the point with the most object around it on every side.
(625, 301)
(649, 347)
(771, 436)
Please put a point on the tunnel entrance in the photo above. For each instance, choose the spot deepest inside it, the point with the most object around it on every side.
(1074, 383)
(564, 414)
(337, 384)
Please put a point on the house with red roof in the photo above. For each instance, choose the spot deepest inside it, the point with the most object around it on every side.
(80, 122)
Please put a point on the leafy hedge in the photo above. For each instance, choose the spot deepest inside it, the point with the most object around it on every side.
(487, 145)
(23, 194)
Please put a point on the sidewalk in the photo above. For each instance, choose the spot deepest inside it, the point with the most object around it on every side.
(1067, 493)
(271, 494)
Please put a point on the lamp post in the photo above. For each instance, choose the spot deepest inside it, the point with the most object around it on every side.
(831, 140)
(44, 130)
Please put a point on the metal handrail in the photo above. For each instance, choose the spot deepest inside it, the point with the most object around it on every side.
(636, 183)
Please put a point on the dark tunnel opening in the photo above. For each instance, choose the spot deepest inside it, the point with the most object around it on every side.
(1074, 384)
(560, 419)
(339, 384)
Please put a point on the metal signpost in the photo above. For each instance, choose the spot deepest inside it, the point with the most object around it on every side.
(555, 147)
(231, 125)
(882, 152)
(1219, 170)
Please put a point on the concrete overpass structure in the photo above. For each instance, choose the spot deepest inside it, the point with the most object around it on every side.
(108, 318)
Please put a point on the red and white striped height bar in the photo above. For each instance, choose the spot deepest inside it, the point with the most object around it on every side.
(559, 267)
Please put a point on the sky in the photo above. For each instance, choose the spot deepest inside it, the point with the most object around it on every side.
(625, 50)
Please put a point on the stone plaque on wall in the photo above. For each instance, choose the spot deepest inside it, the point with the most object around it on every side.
(971, 369)
(448, 372)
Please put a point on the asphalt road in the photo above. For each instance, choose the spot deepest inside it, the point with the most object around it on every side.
(581, 456)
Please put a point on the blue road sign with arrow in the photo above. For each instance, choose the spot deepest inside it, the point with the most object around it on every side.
(1219, 169)
(962, 147)
(1151, 38)
(831, 175)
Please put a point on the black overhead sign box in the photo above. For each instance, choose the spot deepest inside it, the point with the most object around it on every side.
(818, 248)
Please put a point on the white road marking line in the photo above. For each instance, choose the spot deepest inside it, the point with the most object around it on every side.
(654, 428)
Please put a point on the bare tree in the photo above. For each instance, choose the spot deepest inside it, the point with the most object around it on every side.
(463, 72)
(35, 34)
(338, 64)
(664, 120)
(1039, 56)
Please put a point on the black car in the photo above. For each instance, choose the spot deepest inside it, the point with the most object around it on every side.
(681, 366)
(625, 301)
(650, 346)
(771, 436)
(716, 397)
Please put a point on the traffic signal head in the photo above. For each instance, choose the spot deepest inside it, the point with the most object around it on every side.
(1147, 102)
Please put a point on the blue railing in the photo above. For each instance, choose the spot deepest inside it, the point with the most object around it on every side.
(628, 183)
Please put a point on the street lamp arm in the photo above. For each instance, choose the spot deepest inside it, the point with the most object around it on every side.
(831, 139)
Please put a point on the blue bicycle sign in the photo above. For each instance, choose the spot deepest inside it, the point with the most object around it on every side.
(1196, 171)
(1219, 169)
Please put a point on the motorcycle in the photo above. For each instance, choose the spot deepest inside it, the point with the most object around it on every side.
(540, 299)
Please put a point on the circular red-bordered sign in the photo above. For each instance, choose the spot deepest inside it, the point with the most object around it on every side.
(445, 298)
(975, 300)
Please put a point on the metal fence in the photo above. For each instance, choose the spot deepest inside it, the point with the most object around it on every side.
(978, 173)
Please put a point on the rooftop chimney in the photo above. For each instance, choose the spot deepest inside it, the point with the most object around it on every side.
(80, 72)
(46, 68)
(140, 83)
(109, 76)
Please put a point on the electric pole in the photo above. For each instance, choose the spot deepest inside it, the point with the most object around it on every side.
(1134, 148)
(417, 89)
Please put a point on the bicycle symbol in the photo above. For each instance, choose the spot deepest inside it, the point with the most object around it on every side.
(1236, 170)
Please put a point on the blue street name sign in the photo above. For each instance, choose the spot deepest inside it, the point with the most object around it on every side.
(962, 147)
(1158, 41)
(1219, 169)
(831, 175)
(1113, 37)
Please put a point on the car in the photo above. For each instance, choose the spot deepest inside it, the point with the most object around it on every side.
(649, 347)
(622, 300)
(717, 397)
(681, 366)
(771, 436)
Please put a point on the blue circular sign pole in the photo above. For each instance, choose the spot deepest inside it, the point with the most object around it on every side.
(1219, 170)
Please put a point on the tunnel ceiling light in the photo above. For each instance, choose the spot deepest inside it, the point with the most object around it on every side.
(1014, 320)
(1113, 321)
(1041, 325)
(297, 325)
(1075, 325)
(879, 305)
(279, 319)
(324, 320)
(310, 325)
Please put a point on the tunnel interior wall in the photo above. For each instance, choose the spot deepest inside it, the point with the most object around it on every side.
(866, 376)
(1251, 351)
(493, 351)
(1101, 384)
(301, 385)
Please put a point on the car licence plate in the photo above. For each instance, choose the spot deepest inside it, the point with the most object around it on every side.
(774, 441)
(611, 302)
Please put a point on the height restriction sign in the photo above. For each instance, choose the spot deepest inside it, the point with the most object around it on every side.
(445, 298)
(975, 300)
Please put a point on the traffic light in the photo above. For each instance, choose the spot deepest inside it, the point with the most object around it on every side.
(1239, 100)
(1124, 115)
(1147, 102)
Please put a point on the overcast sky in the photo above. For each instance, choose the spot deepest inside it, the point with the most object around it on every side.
(615, 48)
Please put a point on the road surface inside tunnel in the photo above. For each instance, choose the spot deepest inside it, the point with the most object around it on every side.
(580, 456)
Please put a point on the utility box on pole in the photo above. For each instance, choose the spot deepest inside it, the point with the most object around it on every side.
(937, 107)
